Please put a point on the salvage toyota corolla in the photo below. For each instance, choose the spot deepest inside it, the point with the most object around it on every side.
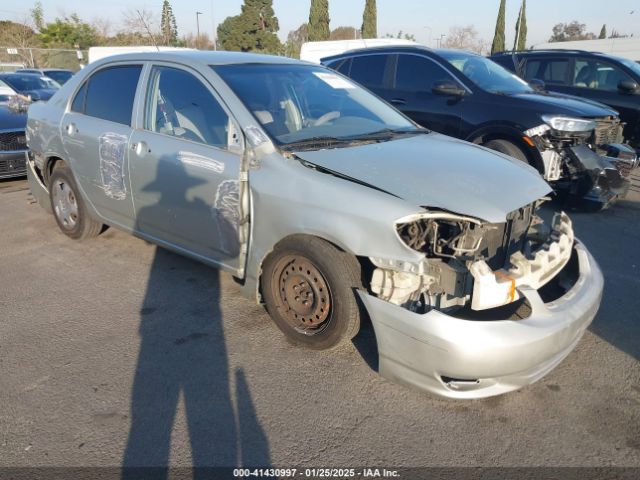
(326, 204)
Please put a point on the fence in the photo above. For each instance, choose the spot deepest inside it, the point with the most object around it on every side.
(16, 57)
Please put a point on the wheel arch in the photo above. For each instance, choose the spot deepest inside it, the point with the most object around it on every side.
(510, 134)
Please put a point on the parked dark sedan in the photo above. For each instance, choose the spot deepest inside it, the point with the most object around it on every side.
(59, 75)
(13, 144)
(611, 80)
(470, 97)
(30, 85)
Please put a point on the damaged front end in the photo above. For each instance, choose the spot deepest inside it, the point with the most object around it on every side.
(471, 263)
(491, 307)
(585, 160)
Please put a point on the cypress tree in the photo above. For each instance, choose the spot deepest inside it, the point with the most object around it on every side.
(370, 20)
(498, 38)
(603, 32)
(168, 26)
(521, 28)
(319, 21)
(254, 30)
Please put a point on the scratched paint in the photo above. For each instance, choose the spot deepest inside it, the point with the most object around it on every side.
(226, 215)
(112, 149)
(200, 161)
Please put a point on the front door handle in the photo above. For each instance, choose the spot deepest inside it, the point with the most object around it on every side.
(140, 148)
(398, 101)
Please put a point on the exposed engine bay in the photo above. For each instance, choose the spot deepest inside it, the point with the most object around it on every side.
(586, 159)
(470, 263)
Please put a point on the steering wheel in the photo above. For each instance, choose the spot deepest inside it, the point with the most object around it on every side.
(327, 117)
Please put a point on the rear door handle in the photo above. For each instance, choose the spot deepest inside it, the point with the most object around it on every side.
(141, 148)
(71, 129)
(398, 101)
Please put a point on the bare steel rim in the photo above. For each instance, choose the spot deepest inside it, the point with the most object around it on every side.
(302, 295)
(65, 204)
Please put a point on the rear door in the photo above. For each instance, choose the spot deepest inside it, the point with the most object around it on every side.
(185, 167)
(95, 132)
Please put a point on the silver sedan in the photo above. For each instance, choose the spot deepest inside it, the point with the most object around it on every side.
(327, 204)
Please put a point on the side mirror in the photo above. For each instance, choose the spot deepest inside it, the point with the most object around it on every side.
(537, 84)
(448, 89)
(628, 86)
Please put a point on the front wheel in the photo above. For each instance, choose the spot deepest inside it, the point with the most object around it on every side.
(508, 148)
(68, 207)
(309, 287)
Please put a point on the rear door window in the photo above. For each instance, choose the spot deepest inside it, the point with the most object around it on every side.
(552, 70)
(368, 70)
(111, 92)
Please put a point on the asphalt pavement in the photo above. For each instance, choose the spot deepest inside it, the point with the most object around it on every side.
(114, 352)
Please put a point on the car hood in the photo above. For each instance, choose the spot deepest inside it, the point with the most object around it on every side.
(437, 171)
(567, 104)
(11, 119)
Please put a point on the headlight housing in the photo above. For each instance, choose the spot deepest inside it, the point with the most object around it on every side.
(569, 124)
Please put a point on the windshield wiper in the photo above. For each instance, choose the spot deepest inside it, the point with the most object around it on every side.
(320, 141)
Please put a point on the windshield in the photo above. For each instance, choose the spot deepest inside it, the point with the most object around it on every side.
(59, 76)
(25, 83)
(298, 103)
(486, 74)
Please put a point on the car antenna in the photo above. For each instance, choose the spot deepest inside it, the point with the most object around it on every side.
(146, 27)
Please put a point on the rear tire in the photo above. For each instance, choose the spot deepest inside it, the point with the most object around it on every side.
(68, 207)
(508, 148)
(309, 287)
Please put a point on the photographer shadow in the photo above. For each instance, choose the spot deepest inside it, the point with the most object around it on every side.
(183, 355)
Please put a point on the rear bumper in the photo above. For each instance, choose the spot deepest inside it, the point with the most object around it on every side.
(13, 164)
(467, 359)
(38, 189)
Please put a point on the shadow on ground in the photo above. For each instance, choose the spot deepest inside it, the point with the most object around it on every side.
(183, 355)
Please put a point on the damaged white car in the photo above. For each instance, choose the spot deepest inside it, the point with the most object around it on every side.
(327, 205)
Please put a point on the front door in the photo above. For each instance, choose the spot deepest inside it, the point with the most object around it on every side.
(415, 77)
(185, 168)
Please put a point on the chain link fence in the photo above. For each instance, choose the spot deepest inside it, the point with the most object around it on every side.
(12, 58)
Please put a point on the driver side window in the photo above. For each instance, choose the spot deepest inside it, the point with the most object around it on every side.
(178, 104)
(419, 74)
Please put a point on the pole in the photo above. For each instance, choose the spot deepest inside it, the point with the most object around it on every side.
(198, 28)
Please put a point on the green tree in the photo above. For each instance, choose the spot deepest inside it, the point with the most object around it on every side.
(520, 42)
(569, 32)
(37, 14)
(402, 35)
(168, 27)
(603, 32)
(295, 39)
(370, 20)
(498, 38)
(254, 30)
(67, 32)
(319, 21)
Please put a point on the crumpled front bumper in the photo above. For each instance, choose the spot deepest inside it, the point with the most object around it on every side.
(466, 359)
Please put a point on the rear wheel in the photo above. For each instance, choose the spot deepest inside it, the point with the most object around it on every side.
(508, 148)
(68, 207)
(309, 288)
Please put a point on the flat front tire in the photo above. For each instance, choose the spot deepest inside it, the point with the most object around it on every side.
(68, 206)
(309, 287)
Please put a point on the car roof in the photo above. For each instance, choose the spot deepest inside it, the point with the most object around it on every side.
(202, 57)
(397, 49)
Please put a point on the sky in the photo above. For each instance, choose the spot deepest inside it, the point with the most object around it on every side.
(426, 19)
